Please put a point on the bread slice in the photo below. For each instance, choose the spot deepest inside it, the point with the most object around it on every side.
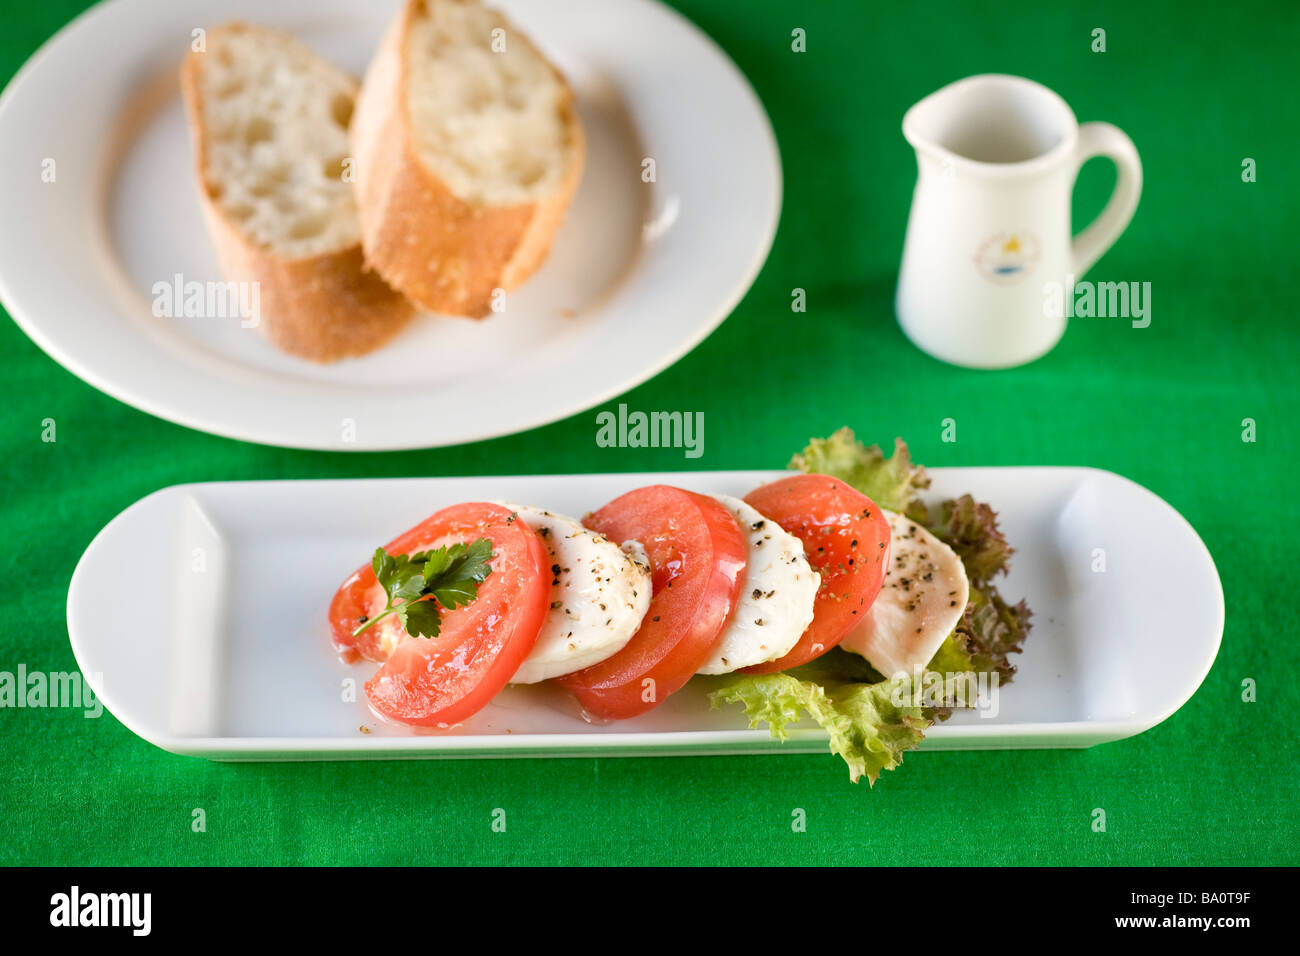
(468, 151)
(269, 119)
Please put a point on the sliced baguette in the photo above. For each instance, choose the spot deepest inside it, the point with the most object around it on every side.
(269, 120)
(467, 156)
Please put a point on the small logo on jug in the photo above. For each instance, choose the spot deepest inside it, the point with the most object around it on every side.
(1007, 257)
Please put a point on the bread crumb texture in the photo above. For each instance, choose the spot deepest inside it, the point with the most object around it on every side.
(488, 112)
(277, 120)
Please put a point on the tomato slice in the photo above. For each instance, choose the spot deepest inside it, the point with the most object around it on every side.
(697, 562)
(847, 540)
(443, 680)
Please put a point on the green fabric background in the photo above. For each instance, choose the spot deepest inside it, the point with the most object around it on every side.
(1198, 87)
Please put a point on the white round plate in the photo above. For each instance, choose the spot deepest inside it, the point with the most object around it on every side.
(100, 205)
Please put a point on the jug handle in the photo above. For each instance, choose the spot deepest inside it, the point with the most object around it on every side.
(1103, 139)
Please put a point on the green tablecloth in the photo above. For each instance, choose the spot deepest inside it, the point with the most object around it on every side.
(1198, 87)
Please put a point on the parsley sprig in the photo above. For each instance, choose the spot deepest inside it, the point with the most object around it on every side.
(450, 576)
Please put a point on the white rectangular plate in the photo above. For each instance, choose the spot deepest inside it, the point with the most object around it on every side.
(199, 617)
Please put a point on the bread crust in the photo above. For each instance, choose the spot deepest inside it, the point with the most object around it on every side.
(321, 308)
(445, 254)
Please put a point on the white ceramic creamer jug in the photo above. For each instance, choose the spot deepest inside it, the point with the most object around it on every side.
(997, 158)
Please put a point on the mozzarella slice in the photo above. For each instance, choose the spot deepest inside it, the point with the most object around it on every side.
(599, 594)
(776, 602)
(923, 597)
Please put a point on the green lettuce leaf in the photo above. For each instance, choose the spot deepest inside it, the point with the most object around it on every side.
(990, 630)
(867, 729)
(970, 528)
(952, 657)
(891, 483)
(867, 717)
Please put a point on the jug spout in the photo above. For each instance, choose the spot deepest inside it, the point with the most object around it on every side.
(992, 124)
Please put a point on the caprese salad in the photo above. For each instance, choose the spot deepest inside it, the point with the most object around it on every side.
(818, 594)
